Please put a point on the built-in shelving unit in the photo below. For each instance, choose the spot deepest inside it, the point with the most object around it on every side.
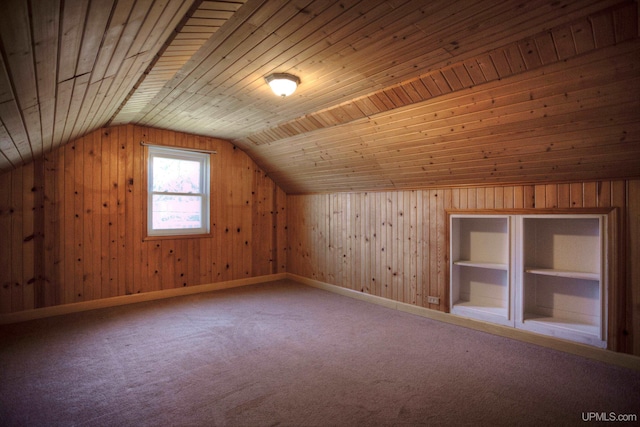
(561, 279)
(538, 272)
(480, 254)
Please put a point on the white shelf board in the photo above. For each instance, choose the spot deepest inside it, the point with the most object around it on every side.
(563, 273)
(483, 312)
(489, 265)
(479, 307)
(531, 319)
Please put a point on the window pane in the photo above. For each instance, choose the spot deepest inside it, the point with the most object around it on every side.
(171, 212)
(176, 175)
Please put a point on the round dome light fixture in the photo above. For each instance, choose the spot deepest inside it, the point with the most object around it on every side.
(282, 84)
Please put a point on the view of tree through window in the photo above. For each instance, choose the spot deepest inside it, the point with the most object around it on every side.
(176, 176)
(177, 191)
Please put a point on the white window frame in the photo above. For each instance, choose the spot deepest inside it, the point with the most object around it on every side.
(205, 173)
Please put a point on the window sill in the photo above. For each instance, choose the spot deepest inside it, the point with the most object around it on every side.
(178, 236)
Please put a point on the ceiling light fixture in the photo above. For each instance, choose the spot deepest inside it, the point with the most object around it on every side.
(282, 84)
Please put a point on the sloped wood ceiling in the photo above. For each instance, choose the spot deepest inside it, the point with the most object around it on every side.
(394, 93)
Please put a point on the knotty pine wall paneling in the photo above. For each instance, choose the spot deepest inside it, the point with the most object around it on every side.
(71, 223)
(393, 244)
(632, 264)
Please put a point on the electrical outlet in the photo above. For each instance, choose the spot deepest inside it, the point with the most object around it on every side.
(433, 300)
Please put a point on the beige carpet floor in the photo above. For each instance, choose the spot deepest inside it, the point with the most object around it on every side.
(289, 355)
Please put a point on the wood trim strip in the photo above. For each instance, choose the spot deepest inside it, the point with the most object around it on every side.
(40, 313)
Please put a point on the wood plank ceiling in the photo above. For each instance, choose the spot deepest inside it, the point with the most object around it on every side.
(394, 93)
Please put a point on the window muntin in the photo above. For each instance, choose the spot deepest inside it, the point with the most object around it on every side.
(178, 192)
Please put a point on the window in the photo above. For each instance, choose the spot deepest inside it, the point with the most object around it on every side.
(178, 192)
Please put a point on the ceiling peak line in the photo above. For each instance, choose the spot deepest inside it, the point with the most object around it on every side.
(196, 4)
(172, 71)
(195, 30)
(545, 48)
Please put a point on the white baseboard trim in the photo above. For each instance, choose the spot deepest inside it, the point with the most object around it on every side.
(607, 356)
(58, 310)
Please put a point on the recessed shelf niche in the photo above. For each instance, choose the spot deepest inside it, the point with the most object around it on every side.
(542, 273)
(480, 254)
(561, 278)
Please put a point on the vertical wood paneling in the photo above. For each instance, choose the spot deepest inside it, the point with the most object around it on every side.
(419, 247)
(564, 195)
(551, 196)
(604, 193)
(69, 220)
(620, 283)
(217, 223)
(387, 254)
(168, 265)
(280, 209)
(632, 293)
(153, 253)
(442, 250)
(17, 223)
(518, 197)
(322, 229)
(401, 239)
(336, 241)
(363, 259)
(49, 236)
(74, 223)
(78, 197)
(261, 201)
(245, 209)
(192, 262)
(378, 206)
(426, 246)
(590, 194)
(434, 246)
(39, 251)
(132, 229)
(88, 222)
(59, 225)
(124, 141)
(94, 252)
(234, 257)
(409, 239)
(112, 191)
(28, 236)
(575, 193)
(529, 197)
(443, 276)
(354, 252)
(508, 197)
(105, 248)
(6, 211)
(394, 250)
(139, 205)
(498, 197)
(181, 270)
